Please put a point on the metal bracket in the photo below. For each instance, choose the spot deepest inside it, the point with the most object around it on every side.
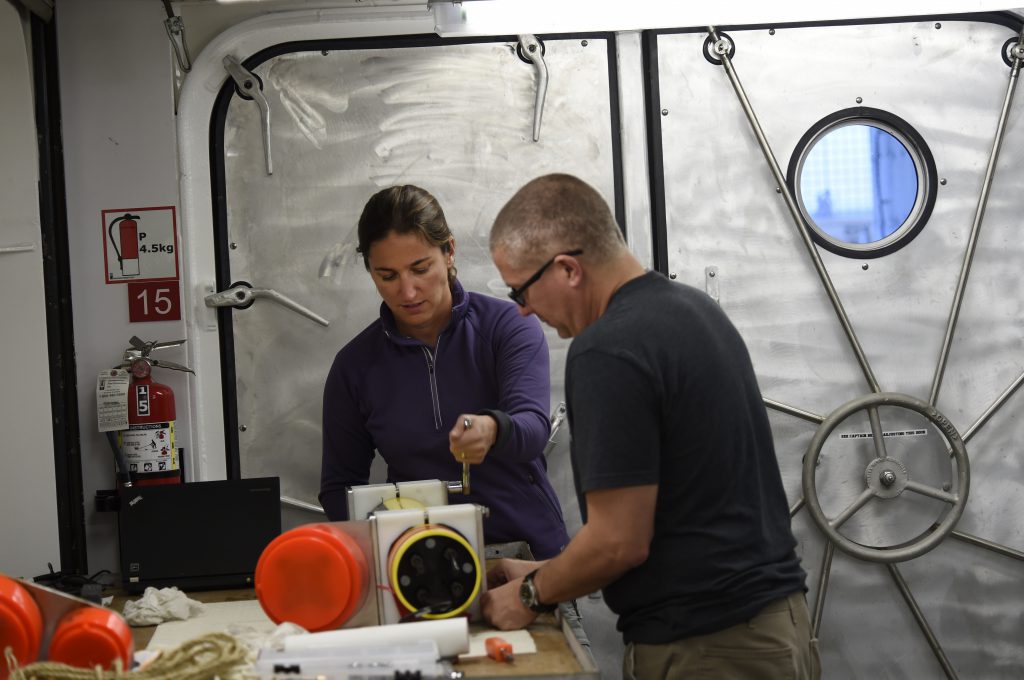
(251, 87)
(18, 248)
(711, 282)
(558, 418)
(1017, 52)
(175, 27)
(532, 49)
(242, 295)
(718, 45)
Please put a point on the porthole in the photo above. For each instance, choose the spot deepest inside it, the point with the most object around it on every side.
(864, 181)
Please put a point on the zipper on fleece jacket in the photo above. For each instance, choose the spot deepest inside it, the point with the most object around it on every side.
(433, 384)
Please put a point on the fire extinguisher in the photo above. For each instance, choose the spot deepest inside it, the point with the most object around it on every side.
(147, 447)
(128, 238)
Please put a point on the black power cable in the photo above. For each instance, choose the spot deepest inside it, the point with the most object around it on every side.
(86, 587)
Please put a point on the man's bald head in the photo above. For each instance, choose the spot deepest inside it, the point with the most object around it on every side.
(556, 213)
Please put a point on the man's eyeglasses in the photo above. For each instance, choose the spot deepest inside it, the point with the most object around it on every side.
(518, 294)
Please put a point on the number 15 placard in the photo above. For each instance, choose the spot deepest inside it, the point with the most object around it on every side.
(157, 301)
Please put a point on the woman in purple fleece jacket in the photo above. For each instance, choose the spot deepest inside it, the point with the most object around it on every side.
(437, 357)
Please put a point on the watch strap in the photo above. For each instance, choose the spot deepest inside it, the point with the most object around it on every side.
(532, 602)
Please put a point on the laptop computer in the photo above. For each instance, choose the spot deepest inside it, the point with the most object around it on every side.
(197, 536)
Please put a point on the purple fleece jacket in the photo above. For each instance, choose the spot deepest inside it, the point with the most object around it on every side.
(395, 394)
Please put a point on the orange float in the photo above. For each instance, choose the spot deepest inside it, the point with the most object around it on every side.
(21, 623)
(92, 636)
(315, 576)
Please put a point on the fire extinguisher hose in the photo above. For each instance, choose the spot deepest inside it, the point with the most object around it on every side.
(124, 480)
(113, 241)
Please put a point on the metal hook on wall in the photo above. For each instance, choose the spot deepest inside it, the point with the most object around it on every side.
(176, 34)
(249, 86)
(531, 49)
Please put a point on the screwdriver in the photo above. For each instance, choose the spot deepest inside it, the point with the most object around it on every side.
(466, 424)
(498, 649)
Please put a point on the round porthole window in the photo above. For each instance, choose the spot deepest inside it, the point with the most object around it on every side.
(864, 181)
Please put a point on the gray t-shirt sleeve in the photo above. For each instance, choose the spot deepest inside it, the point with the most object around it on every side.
(615, 418)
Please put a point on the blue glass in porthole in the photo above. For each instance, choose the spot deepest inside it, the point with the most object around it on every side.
(858, 184)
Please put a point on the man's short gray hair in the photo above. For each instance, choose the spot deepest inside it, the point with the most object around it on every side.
(556, 213)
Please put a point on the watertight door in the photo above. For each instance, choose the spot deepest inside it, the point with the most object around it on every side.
(347, 118)
(882, 311)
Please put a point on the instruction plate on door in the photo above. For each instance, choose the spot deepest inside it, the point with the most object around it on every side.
(140, 244)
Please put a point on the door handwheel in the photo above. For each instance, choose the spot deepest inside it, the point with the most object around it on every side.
(887, 478)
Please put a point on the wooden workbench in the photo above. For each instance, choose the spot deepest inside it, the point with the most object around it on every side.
(559, 654)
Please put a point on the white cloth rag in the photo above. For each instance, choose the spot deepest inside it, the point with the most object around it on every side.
(159, 605)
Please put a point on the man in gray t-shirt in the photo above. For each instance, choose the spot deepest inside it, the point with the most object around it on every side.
(686, 524)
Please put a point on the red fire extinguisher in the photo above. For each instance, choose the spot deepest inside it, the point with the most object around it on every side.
(128, 240)
(147, 446)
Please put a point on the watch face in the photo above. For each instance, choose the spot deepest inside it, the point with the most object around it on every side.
(526, 593)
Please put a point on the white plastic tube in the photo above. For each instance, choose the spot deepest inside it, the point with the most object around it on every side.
(451, 636)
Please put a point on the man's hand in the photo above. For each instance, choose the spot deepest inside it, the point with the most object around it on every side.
(615, 539)
(503, 609)
(470, 443)
(509, 569)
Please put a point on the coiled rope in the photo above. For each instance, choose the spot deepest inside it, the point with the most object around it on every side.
(215, 655)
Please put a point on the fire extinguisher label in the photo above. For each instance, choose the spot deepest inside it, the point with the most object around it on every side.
(150, 447)
(112, 399)
(142, 400)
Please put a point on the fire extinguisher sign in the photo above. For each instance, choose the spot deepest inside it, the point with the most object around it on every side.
(140, 245)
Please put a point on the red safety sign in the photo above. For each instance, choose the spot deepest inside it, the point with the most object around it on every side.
(140, 245)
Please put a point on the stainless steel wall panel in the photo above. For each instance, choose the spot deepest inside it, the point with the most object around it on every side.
(997, 480)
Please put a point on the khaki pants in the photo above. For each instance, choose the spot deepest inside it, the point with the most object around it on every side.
(774, 645)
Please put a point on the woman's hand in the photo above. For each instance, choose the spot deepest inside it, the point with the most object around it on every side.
(472, 437)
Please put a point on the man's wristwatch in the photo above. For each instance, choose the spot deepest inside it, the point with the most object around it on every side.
(528, 595)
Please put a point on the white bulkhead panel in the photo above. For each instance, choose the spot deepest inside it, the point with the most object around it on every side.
(28, 527)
